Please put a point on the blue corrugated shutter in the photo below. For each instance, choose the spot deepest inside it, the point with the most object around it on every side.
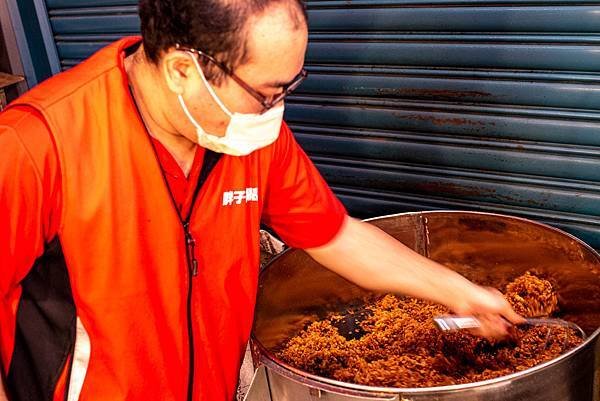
(438, 104)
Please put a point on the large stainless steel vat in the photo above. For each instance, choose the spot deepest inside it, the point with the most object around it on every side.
(489, 249)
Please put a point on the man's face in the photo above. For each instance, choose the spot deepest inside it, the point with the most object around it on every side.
(276, 48)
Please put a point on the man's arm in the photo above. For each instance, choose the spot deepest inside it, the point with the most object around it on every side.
(372, 259)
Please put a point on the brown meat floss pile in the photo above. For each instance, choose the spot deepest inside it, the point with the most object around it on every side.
(395, 343)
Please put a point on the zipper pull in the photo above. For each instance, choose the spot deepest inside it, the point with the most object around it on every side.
(190, 244)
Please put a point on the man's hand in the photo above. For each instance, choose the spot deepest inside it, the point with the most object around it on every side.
(372, 259)
(489, 307)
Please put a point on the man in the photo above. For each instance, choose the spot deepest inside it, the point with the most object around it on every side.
(133, 187)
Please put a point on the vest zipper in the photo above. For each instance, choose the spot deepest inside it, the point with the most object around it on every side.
(210, 160)
(192, 265)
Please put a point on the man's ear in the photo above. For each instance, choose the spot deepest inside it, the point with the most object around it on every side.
(178, 68)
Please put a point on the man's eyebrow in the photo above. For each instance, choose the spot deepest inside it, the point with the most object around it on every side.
(282, 84)
(279, 84)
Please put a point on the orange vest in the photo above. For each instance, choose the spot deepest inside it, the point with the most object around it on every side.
(150, 318)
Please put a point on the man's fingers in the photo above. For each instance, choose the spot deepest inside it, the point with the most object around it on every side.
(493, 327)
(512, 316)
(504, 308)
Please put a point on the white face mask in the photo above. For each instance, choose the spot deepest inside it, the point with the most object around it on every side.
(245, 132)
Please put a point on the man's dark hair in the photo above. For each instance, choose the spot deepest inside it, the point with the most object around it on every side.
(216, 27)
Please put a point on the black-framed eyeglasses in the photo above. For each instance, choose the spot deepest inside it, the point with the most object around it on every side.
(262, 99)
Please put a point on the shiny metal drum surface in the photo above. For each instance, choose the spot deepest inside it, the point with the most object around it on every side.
(488, 249)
